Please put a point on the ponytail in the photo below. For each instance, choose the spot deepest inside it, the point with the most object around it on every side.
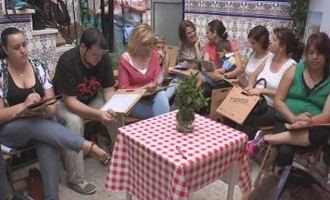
(224, 35)
(294, 48)
(217, 26)
(3, 55)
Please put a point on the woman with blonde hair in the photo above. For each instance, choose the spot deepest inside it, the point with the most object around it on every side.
(139, 68)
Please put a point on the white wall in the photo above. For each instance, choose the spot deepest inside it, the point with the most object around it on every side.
(322, 6)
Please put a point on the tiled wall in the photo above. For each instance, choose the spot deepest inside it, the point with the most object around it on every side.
(239, 17)
(40, 46)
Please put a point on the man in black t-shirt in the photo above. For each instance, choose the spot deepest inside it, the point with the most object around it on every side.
(85, 80)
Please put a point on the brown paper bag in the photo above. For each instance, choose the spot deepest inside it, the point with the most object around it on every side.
(237, 105)
(218, 95)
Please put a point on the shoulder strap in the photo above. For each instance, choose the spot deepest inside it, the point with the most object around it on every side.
(129, 58)
(259, 81)
(4, 77)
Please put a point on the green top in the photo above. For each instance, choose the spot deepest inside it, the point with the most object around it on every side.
(299, 102)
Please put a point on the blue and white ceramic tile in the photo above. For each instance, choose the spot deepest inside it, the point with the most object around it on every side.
(40, 46)
(239, 17)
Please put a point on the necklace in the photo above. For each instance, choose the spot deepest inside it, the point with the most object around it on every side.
(313, 79)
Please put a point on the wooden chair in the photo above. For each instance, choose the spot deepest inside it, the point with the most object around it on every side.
(27, 151)
(312, 160)
(172, 51)
(303, 159)
(266, 156)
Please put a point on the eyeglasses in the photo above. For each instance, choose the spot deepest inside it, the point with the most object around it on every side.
(96, 56)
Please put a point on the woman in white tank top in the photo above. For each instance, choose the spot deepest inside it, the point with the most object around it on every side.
(283, 44)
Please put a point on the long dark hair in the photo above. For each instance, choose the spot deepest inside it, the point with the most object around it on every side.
(260, 34)
(294, 48)
(182, 29)
(4, 39)
(217, 26)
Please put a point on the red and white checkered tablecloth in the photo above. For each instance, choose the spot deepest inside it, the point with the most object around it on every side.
(146, 163)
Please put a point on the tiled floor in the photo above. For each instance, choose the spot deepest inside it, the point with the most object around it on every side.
(96, 173)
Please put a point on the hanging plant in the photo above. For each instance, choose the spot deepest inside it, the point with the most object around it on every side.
(298, 11)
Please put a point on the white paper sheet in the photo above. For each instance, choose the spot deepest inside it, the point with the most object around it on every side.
(6, 149)
(120, 102)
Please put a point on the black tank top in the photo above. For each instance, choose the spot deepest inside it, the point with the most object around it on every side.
(18, 95)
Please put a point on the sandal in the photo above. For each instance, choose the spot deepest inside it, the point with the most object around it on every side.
(90, 149)
(105, 159)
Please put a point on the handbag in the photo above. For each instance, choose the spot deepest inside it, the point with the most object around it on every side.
(261, 106)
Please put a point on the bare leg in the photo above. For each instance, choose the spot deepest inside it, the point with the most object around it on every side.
(200, 80)
(298, 137)
(90, 148)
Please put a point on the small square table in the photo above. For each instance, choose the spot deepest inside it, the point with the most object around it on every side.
(147, 164)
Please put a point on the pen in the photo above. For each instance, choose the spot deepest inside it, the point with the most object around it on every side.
(179, 150)
(225, 79)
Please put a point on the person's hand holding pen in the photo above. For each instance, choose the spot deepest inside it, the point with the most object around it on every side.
(32, 98)
(151, 87)
(107, 117)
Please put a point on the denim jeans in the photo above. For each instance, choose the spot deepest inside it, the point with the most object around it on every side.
(47, 136)
(119, 45)
(151, 106)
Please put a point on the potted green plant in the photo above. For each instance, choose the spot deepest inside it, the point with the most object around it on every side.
(188, 99)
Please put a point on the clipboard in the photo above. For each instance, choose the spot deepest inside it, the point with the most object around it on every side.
(218, 96)
(313, 125)
(43, 103)
(183, 72)
(159, 88)
(237, 105)
(123, 100)
(38, 106)
(207, 65)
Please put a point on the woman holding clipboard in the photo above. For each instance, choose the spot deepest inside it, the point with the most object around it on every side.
(24, 82)
(139, 68)
(302, 101)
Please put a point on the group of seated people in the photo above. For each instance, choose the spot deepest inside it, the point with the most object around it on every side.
(296, 94)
